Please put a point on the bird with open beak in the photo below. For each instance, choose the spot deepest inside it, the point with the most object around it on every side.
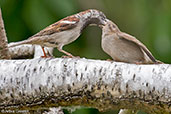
(65, 31)
(123, 47)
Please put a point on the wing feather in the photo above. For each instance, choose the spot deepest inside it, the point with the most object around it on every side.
(134, 40)
(62, 25)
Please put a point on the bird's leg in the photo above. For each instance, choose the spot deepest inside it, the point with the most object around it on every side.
(67, 53)
(44, 53)
(63, 51)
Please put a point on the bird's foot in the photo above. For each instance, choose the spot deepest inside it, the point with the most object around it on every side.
(69, 56)
(64, 56)
(47, 56)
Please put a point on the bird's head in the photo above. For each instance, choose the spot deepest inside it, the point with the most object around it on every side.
(110, 27)
(93, 17)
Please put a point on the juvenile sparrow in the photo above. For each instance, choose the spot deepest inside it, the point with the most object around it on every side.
(65, 31)
(124, 47)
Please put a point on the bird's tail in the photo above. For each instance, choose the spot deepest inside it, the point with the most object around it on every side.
(159, 62)
(19, 43)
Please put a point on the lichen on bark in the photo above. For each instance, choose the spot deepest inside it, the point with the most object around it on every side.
(81, 82)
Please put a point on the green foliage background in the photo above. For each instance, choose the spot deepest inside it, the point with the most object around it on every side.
(148, 20)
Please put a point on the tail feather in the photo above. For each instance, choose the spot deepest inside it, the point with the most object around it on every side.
(159, 62)
(19, 43)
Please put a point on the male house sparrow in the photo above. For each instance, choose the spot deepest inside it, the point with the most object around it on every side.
(124, 47)
(65, 31)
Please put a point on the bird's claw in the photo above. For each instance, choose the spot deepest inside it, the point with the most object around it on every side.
(47, 57)
(64, 56)
(69, 56)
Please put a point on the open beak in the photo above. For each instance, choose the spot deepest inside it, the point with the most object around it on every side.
(103, 23)
(101, 26)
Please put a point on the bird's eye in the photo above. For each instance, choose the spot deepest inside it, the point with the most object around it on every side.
(113, 26)
(103, 17)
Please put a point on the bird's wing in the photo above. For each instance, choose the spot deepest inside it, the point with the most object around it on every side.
(62, 25)
(130, 38)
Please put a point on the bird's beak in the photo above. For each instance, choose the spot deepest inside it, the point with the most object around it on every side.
(101, 26)
(103, 23)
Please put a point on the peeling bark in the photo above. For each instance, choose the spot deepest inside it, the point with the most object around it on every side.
(103, 85)
(4, 53)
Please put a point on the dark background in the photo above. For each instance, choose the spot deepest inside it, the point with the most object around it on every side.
(147, 20)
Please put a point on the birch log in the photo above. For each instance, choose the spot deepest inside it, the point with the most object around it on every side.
(22, 51)
(83, 82)
(28, 51)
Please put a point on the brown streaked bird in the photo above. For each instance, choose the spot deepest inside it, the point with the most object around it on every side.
(65, 31)
(123, 47)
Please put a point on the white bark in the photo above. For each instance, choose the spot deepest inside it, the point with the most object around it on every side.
(28, 51)
(22, 51)
(54, 111)
(127, 111)
(100, 84)
(38, 51)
